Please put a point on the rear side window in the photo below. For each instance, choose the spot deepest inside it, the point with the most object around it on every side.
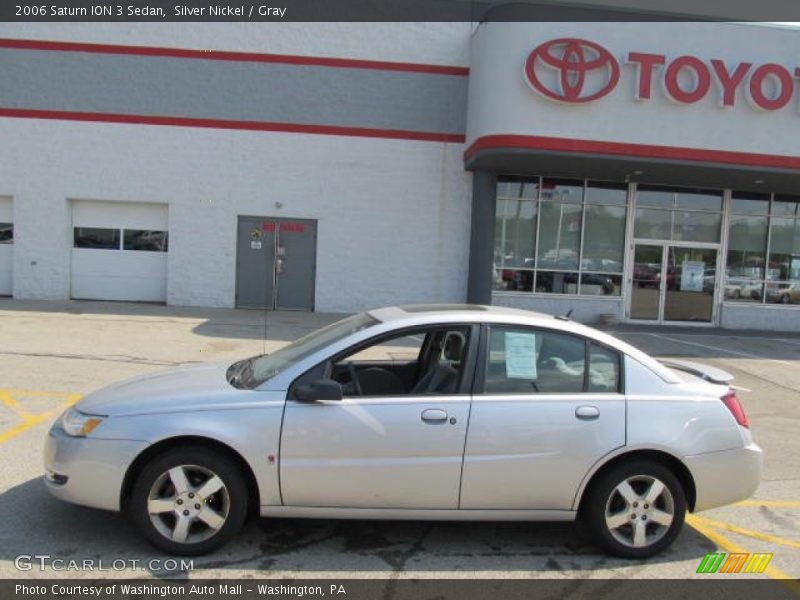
(530, 361)
(604, 370)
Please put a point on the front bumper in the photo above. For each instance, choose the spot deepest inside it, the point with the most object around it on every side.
(86, 470)
(725, 477)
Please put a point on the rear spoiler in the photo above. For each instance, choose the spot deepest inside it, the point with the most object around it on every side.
(711, 374)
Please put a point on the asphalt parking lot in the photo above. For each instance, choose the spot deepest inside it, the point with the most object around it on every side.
(53, 353)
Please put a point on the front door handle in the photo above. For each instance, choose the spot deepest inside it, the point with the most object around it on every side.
(587, 413)
(434, 416)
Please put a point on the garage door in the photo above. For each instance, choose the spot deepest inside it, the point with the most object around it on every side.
(6, 247)
(119, 251)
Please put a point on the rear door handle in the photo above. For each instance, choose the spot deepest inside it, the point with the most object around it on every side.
(587, 413)
(434, 416)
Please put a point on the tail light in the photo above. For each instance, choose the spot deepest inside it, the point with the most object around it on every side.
(732, 402)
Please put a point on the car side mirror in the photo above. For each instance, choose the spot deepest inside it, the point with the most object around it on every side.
(321, 389)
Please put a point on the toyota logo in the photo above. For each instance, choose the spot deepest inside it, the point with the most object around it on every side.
(572, 70)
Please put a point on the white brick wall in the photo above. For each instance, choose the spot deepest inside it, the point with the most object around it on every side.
(429, 43)
(393, 215)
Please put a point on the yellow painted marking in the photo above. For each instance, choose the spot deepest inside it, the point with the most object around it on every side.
(9, 401)
(30, 420)
(730, 546)
(764, 537)
(775, 503)
(20, 392)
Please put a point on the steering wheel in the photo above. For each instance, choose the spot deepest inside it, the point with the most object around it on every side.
(354, 378)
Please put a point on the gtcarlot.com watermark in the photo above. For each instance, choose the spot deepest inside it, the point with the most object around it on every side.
(46, 562)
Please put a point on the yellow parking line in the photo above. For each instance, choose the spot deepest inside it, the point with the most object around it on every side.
(765, 537)
(21, 392)
(31, 420)
(10, 402)
(775, 503)
(730, 546)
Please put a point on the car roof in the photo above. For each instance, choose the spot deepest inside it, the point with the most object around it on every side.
(477, 313)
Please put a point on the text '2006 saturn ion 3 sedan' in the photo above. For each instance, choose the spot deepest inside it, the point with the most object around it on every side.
(443, 412)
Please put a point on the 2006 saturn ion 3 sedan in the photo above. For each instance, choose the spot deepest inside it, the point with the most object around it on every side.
(443, 412)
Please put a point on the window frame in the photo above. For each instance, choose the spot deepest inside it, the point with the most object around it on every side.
(9, 241)
(482, 358)
(579, 271)
(465, 385)
(120, 231)
(764, 281)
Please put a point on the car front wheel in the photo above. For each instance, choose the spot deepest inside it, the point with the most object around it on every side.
(636, 509)
(189, 501)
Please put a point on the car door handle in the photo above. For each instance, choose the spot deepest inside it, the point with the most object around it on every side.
(434, 416)
(587, 413)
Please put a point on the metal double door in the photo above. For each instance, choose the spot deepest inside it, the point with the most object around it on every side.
(276, 263)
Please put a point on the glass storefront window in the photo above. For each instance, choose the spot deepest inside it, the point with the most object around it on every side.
(763, 262)
(560, 236)
(677, 214)
(555, 282)
(786, 206)
(694, 226)
(749, 203)
(747, 254)
(784, 250)
(653, 224)
(602, 236)
(566, 191)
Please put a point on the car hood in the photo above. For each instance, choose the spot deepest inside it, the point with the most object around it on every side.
(183, 388)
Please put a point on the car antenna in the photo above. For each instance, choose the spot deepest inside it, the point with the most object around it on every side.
(566, 316)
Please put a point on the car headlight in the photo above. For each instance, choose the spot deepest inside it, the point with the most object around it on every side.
(78, 424)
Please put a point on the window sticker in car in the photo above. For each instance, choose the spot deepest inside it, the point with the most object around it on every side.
(520, 355)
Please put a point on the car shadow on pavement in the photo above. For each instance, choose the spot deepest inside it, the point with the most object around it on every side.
(34, 523)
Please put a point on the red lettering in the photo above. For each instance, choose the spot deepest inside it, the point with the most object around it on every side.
(268, 226)
(729, 81)
(785, 86)
(701, 75)
(647, 64)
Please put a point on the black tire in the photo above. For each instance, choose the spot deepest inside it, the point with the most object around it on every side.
(230, 500)
(603, 494)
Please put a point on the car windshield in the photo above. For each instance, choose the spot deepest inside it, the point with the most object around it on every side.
(267, 366)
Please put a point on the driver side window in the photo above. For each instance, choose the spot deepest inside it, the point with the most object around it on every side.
(417, 362)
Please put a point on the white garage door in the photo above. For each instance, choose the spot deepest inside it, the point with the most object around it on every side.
(6, 247)
(119, 251)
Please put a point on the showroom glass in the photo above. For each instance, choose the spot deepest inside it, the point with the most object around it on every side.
(748, 230)
(6, 233)
(559, 236)
(678, 214)
(267, 366)
(530, 361)
(763, 261)
(140, 239)
(99, 238)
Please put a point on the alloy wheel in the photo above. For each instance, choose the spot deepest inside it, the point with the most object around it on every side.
(639, 511)
(188, 504)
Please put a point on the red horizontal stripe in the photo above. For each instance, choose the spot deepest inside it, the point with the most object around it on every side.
(286, 59)
(554, 144)
(399, 134)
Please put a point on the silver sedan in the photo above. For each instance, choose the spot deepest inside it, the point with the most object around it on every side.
(416, 412)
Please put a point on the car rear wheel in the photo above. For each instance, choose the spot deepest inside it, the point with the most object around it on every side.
(189, 501)
(636, 509)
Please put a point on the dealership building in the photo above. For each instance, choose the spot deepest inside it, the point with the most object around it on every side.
(634, 172)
